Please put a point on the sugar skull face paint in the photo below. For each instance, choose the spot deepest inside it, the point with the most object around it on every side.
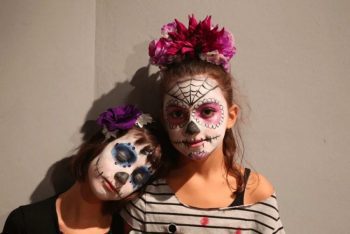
(120, 169)
(196, 113)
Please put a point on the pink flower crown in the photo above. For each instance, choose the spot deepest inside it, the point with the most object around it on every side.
(200, 40)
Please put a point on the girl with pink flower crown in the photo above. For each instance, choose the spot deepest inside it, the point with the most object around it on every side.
(205, 189)
(109, 169)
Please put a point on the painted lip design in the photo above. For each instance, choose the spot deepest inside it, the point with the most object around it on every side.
(196, 142)
(107, 184)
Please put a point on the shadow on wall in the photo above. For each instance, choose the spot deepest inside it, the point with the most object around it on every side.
(142, 91)
(57, 179)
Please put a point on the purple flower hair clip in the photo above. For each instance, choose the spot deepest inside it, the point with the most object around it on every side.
(200, 40)
(121, 118)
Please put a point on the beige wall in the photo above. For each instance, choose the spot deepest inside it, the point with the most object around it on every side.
(47, 68)
(292, 65)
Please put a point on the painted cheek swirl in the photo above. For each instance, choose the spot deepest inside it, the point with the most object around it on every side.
(208, 113)
(176, 114)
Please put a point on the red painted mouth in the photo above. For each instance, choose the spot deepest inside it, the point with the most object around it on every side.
(194, 143)
(109, 186)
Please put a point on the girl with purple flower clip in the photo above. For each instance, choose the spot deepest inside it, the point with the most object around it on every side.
(109, 169)
(205, 189)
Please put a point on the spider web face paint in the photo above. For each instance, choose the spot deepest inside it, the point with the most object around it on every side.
(196, 113)
(120, 169)
(191, 90)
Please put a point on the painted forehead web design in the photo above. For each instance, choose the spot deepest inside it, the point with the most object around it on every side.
(191, 90)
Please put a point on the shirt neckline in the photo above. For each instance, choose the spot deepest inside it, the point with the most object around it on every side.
(243, 206)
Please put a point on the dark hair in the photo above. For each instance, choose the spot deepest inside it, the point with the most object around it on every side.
(93, 147)
(232, 143)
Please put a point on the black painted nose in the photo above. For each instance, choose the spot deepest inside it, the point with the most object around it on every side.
(121, 177)
(192, 128)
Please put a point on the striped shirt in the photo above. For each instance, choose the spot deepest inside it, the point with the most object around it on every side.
(159, 211)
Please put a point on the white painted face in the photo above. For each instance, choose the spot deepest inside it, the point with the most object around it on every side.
(120, 169)
(196, 114)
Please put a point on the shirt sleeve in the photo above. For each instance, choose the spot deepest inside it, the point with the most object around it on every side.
(134, 214)
(14, 223)
(278, 226)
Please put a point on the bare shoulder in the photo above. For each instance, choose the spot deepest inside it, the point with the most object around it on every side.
(258, 188)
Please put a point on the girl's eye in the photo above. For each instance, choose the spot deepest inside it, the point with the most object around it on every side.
(207, 112)
(140, 176)
(124, 154)
(176, 114)
(146, 150)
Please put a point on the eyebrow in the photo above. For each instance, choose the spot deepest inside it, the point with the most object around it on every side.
(209, 101)
(170, 105)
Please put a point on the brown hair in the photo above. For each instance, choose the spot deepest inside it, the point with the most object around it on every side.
(232, 143)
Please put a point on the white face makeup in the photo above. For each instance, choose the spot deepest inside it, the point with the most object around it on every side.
(120, 169)
(196, 114)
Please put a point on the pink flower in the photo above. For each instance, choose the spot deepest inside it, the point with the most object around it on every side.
(160, 52)
(226, 43)
(200, 40)
(214, 57)
(166, 29)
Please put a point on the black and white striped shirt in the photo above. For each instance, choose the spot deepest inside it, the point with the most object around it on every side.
(159, 211)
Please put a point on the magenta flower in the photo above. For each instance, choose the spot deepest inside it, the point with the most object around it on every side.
(200, 40)
(119, 118)
(161, 52)
(226, 44)
(168, 28)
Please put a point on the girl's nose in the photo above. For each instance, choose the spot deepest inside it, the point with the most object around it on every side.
(192, 128)
(121, 177)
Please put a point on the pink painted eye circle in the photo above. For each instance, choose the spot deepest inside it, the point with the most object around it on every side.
(176, 115)
(207, 112)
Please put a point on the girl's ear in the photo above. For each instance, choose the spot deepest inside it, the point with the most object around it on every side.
(232, 116)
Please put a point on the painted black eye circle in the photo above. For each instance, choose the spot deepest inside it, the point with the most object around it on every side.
(177, 114)
(140, 176)
(124, 154)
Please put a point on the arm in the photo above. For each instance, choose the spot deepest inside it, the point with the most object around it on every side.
(260, 189)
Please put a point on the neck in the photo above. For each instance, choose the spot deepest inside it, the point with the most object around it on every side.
(78, 206)
(212, 166)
